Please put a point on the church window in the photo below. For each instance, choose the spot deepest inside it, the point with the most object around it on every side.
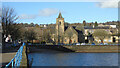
(60, 22)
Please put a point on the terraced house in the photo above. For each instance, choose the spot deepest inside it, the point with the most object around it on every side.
(112, 31)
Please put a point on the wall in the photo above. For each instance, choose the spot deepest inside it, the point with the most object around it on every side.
(94, 48)
(24, 61)
(77, 48)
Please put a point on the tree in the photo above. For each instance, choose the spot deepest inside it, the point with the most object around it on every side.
(25, 25)
(90, 24)
(30, 34)
(36, 25)
(84, 23)
(15, 31)
(31, 25)
(8, 18)
(96, 24)
(101, 34)
(9, 25)
(46, 35)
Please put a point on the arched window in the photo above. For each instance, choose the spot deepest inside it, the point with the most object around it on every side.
(60, 23)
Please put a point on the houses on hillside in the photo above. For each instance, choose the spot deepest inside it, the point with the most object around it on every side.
(69, 34)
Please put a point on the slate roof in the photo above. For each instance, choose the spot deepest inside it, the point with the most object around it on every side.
(74, 29)
(96, 27)
(66, 28)
(60, 15)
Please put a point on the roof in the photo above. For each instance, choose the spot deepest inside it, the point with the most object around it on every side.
(76, 31)
(90, 27)
(60, 15)
(66, 28)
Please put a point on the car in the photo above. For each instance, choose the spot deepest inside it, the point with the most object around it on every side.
(70, 44)
(101, 44)
(66, 44)
(105, 43)
(29, 44)
(77, 43)
(74, 44)
(82, 43)
(60, 44)
(93, 44)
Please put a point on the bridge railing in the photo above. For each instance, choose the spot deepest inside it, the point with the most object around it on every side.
(17, 59)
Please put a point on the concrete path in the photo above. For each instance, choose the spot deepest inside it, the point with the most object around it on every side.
(6, 58)
(7, 55)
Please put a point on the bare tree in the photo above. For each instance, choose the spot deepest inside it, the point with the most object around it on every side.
(30, 34)
(84, 23)
(46, 35)
(8, 18)
(9, 26)
(101, 34)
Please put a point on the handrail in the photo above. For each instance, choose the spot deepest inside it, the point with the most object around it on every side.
(17, 59)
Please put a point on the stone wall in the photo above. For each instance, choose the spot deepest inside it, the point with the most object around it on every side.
(77, 48)
(95, 48)
(24, 61)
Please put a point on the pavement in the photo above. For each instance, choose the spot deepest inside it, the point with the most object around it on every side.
(7, 55)
(6, 58)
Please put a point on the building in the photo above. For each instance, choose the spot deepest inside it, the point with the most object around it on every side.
(67, 34)
(70, 34)
(111, 30)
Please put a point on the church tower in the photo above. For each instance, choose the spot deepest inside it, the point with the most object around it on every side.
(59, 26)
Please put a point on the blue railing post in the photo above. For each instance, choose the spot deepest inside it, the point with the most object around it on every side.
(12, 64)
(17, 58)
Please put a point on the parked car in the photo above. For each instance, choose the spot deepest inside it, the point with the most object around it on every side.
(77, 43)
(59, 44)
(93, 44)
(101, 44)
(82, 43)
(62, 44)
(105, 43)
(74, 44)
(29, 44)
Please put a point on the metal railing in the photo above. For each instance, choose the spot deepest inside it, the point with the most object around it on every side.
(17, 59)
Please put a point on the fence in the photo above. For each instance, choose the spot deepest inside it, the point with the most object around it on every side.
(17, 59)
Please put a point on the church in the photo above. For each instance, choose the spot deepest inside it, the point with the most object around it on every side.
(67, 34)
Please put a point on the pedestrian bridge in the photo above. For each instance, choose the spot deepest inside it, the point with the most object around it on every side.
(17, 60)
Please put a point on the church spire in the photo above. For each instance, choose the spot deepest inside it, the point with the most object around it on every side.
(60, 15)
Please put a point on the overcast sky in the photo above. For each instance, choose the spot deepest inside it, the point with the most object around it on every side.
(73, 12)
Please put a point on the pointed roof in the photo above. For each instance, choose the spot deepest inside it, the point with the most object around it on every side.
(60, 15)
(74, 31)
